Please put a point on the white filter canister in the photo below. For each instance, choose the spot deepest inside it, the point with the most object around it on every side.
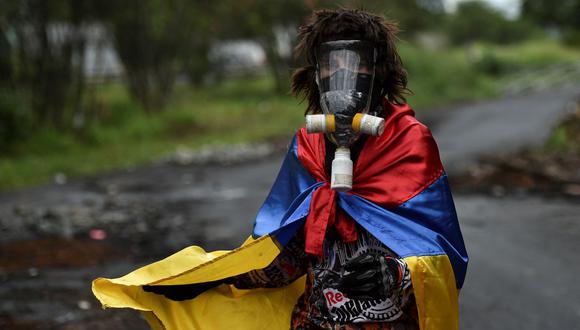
(319, 123)
(368, 124)
(341, 177)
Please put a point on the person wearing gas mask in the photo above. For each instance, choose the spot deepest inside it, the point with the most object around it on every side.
(359, 230)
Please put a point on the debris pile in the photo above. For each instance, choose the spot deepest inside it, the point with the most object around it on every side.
(551, 170)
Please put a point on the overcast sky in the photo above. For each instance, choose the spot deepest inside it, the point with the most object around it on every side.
(509, 7)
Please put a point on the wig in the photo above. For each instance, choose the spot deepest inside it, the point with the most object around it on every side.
(349, 24)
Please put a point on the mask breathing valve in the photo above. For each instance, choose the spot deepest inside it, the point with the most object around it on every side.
(341, 177)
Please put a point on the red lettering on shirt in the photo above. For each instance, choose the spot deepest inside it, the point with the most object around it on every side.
(330, 298)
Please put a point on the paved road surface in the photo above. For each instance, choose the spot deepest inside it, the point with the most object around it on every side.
(500, 126)
(524, 266)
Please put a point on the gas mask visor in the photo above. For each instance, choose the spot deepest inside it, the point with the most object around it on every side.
(345, 75)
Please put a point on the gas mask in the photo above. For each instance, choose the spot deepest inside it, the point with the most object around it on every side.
(345, 72)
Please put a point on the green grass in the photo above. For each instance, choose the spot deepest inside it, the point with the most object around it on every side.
(442, 77)
(480, 71)
(536, 54)
(245, 110)
(238, 111)
(565, 137)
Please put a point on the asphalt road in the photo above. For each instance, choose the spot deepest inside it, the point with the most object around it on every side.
(524, 266)
(523, 249)
(500, 126)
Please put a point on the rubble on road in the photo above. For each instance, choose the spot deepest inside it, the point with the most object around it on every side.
(553, 170)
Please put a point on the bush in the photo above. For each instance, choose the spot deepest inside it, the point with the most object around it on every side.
(15, 118)
(566, 136)
(489, 63)
(572, 38)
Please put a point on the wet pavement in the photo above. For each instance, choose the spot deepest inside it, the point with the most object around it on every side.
(499, 127)
(56, 238)
(523, 263)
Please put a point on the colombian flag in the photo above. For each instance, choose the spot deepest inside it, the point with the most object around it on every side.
(400, 195)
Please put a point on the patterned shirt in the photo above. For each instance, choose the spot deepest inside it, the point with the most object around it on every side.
(323, 306)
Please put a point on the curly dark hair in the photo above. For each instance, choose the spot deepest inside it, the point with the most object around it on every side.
(348, 24)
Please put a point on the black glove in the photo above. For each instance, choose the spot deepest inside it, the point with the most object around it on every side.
(370, 277)
(182, 292)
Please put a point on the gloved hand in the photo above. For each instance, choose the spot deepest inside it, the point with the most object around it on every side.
(182, 292)
(371, 277)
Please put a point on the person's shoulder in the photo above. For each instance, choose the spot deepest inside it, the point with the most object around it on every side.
(421, 129)
(401, 117)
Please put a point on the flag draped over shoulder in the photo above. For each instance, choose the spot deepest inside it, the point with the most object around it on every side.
(400, 195)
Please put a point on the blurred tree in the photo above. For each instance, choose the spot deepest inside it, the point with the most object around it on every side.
(413, 16)
(200, 33)
(43, 51)
(476, 20)
(563, 15)
(268, 22)
(6, 70)
(550, 13)
(149, 38)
